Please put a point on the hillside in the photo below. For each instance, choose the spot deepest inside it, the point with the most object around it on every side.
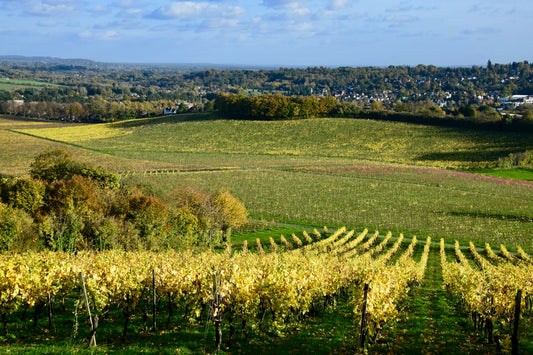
(357, 173)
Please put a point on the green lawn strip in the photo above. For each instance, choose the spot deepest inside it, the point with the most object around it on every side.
(516, 173)
(431, 321)
(331, 332)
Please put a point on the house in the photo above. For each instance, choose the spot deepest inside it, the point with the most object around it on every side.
(516, 100)
(169, 110)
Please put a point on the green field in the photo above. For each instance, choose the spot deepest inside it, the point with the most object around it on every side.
(358, 173)
(15, 84)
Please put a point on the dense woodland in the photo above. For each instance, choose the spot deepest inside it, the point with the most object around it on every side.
(82, 90)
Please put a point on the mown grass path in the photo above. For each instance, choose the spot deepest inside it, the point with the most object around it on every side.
(433, 325)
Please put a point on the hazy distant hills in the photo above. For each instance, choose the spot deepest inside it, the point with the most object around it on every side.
(78, 63)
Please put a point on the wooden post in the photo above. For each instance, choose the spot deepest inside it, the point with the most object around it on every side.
(516, 322)
(92, 341)
(363, 319)
(154, 304)
(217, 317)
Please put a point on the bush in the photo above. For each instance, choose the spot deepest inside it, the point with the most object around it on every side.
(77, 207)
(59, 164)
(517, 160)
(221, 211)
(25, 194)
(77, 192)
(15, 229)
(184, 228)
(62, 232)
(147, 214)
(231, 212)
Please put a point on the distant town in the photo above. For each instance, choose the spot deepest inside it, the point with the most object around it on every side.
(82, 90)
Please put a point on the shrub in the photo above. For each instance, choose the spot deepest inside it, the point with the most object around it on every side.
(231, 211)
(184, 228)
(77, 192)
(25, 194)
(62, 232)
(15, 229)
(59, 164)
(147, 214)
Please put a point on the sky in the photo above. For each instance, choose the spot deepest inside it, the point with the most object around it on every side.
(298, 33)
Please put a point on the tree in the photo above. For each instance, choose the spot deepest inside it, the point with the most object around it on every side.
(26, 194)
(54, 165)
(59, 164)
(15, 229)
(232, 213)
(468, 111)
(376, 106)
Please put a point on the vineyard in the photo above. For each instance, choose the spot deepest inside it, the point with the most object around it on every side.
(259, 289)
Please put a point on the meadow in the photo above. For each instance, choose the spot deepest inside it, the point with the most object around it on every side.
(357, 173)
(14, 84)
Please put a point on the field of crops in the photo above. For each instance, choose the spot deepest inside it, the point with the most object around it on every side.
(14, 84)
(170, 139)
(263, 291)
(314, 172)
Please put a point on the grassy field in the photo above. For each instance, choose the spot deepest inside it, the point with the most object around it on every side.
(517, 173)
(317, 172)
(14, 84)
(172, 139)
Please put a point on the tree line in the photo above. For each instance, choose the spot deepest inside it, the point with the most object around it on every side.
(67, 205)
(280, 107)
(271, 107)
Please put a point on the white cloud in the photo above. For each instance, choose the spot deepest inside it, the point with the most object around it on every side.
(301, 27)
(99, 9)
(99, 35)
(194, 10)
(282, 4)
(50, 7)
(338, 4)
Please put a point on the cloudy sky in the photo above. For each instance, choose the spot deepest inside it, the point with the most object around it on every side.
(271, 32)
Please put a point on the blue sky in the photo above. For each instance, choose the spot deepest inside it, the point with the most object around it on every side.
(271, 32)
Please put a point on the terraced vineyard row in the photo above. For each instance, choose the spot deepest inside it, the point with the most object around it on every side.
(260, 292)
(495, 290)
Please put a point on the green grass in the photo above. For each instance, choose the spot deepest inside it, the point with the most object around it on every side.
(15, 84)
(516, 173)
(463, 208)
(243, 143)
(315, 172)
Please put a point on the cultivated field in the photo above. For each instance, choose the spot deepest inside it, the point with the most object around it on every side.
(317, 172)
